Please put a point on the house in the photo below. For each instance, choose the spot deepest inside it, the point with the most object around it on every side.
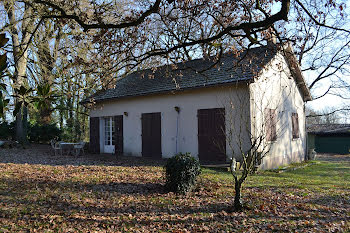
(210, 108)
(329, 138)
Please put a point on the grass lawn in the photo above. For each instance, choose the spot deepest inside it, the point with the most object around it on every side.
(109, 198)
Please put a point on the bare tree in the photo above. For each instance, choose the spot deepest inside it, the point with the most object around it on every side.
(169, 29)
(21, 33)
(320, 35)
(172, 31)
(3, 66)
(261, 116)
(329, 115)
(53, 54)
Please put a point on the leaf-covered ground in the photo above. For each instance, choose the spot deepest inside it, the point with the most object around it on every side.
(89, 198)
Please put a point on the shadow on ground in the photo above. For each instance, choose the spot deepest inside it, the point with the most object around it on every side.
(145, 202)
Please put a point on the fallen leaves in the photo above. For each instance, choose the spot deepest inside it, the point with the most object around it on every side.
(132, 198)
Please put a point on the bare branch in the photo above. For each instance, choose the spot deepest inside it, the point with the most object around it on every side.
(63, 15)
(317, 22)
(329, 113)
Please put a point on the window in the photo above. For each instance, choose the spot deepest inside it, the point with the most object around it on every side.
(270, 124)
(113, 130)
(107, 131)
(295, 125)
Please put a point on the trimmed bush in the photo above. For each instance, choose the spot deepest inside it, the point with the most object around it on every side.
(181, 173)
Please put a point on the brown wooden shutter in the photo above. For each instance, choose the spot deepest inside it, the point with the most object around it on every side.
(118, 134)
(274, 124)
(267, 124)
(270, 124)
(94, 145)
(295, 125)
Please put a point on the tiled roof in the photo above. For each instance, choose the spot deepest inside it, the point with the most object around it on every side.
(328, 128)
(192, 74)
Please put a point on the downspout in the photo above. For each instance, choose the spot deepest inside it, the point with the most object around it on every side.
(306, 136)
(177, 109)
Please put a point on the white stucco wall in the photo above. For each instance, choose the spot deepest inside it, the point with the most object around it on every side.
(188, 101)
(276, 89)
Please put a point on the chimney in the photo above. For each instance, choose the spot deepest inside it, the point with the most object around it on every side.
(271, 37)
(272, 40)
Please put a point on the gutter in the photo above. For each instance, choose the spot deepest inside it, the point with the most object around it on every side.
(89, 99)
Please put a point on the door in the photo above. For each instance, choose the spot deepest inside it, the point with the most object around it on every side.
(118, 134)
(109, 137)
(151, 135)
(211, 135)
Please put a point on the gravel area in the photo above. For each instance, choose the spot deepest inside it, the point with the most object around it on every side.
(44, 155)
(333, 157)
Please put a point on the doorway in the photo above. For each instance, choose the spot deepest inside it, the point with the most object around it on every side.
(211, 135)
(151, 135)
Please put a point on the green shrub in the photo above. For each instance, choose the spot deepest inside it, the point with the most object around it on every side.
(7, 130)
(36, 133)
(181, 173)
(43, 133)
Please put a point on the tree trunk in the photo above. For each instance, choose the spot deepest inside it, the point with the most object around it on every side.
(60, 112)
(19, 127)
(70, 119)
(22, 126)
(25, 124)
(85, 126)
(20, 54)
(237, 204)
(45, 116)
(21, 117)
(47, 61)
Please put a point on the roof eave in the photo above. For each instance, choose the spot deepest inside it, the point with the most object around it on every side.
(94, 101)
(296, 72)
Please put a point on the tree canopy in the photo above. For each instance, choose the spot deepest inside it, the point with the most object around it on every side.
(63, 51)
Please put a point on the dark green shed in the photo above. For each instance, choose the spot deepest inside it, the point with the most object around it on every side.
(329, 138)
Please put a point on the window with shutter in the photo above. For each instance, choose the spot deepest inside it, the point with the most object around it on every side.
(270, 124)
(295, 125)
